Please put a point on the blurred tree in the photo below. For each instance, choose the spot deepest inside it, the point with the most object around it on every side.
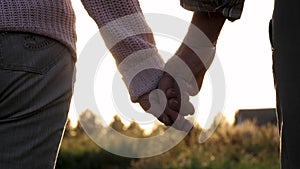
(134, 130)
(117, 124)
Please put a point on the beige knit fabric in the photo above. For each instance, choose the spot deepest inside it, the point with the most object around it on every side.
(129, 38)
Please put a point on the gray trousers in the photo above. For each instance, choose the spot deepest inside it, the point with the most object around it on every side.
(36, 83)
(286, 67)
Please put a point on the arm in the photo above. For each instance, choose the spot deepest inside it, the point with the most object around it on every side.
(197, 51)
(130, 40)
(209, 23)
(198, 48)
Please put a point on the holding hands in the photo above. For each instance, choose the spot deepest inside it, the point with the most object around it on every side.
(184, 73)
(166, 104)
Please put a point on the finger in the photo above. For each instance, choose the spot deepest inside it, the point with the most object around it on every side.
(158, 103)
(165, 120)
(172, 93)
(187, 108)
(178, 121)
(171, 114)
(174, 104)
(144, 102)
(166, 82)
(184, 108)
(183, 124)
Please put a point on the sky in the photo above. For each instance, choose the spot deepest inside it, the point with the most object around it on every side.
(243, 50)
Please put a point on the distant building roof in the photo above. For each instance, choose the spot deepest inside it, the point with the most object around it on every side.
(260, 116)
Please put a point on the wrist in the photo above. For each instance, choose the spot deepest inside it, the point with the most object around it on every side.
(141, 72)
(210, 23)
(194, 62)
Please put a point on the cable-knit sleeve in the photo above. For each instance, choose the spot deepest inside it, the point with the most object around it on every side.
(130, 40)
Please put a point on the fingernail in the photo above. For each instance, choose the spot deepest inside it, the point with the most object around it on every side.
(171, 92)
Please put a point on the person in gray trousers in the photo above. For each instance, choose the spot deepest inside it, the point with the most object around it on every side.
(37, 61)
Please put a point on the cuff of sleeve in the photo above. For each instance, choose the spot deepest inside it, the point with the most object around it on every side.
(141, 72)
(231, 9)
(144, 82)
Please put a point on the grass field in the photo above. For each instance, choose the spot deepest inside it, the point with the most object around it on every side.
(246, 146)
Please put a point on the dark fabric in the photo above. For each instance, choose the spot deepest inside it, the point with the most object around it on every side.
(231, 9)
(36, 83)
(286, 59)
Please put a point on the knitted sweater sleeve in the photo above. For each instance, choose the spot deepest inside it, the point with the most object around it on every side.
(130, 40)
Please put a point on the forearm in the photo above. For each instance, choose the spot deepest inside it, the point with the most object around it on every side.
(209, 17)
(198, 47)
(197, 50)
(130, 40)
(209, 23)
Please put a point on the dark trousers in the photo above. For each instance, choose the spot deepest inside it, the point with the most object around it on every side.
(286, 67)
(36, 83)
